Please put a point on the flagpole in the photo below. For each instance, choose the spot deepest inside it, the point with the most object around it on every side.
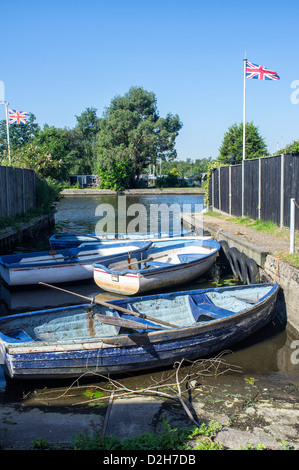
(7, 130)
(244, 132)
(244, 107)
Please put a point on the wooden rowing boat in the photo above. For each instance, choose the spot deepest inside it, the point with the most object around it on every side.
(55, 266)
(119, 336)
(157, 268)
(59, 241)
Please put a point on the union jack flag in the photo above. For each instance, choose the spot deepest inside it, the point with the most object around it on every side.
(17, 117)
(260, 72)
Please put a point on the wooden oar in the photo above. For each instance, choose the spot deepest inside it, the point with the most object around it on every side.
(144, 260)
(118, 321)
(115, 307)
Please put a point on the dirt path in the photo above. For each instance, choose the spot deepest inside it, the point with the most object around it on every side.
(271, 243)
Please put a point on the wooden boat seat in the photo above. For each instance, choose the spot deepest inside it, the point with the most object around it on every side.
(188, 258)
(213, 311)
(157, 264)
(204, 310)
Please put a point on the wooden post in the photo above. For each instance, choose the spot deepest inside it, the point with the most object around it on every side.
(292, 226)
(230, 189)
(281, 190)
(260, 189)
(219, 188)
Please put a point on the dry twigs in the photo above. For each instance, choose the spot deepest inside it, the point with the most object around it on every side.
(168, 386)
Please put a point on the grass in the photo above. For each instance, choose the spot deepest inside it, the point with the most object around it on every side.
(259, 225)
(169, 439)
(268, 227)
(292, 259)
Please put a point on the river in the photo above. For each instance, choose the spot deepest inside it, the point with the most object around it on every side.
(267, 353)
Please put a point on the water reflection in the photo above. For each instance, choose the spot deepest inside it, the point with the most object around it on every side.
(78, 213)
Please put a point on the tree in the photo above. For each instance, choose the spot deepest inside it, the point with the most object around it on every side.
(57, 143)
(132, 136)
(232, 144)
(84, 137)
(19, 134)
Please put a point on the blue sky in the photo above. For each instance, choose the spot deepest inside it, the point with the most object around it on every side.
(59, 57)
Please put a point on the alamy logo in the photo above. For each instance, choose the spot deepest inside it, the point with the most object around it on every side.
(295, 94)
(295, 354)
(158, 218)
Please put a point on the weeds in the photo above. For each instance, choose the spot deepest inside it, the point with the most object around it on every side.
(171, 438)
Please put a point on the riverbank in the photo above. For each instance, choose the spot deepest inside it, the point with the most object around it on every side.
(247, 412)
(132, 192)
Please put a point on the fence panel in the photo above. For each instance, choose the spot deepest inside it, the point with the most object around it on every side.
(236, 186)
(216, 188)
(17, 191)
(224, 184)
(266, 181)
(270, 189)
(251, 188)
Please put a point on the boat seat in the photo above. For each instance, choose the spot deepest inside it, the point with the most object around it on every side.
(188, 258)
(206, 311)
(213, 311)
(158, 264)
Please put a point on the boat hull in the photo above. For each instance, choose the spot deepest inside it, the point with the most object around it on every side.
(134, 352)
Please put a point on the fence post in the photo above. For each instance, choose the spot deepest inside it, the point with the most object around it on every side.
(213, 190)
(260, 189)
(7, 193)
(292, 226)
(281, 189)
(230, 189)
(219, 188)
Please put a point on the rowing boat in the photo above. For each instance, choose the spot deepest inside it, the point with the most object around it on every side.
(128, 335)
(68, 240)
(157, 268)
(67, 265)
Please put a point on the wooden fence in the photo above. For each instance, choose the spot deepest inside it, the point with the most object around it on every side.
(17, 190)
(268, 185)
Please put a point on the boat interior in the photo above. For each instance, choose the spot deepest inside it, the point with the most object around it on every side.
(80, 323)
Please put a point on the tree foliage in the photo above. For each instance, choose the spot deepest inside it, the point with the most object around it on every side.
(83, 142)
(186, 167)
(292, 148)
(132, 136)
(232, 144)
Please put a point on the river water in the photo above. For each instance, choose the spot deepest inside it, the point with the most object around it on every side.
(266, 354)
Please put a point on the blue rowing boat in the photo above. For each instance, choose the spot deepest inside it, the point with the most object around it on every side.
(59, 241)
(132, 334)
(67, 265)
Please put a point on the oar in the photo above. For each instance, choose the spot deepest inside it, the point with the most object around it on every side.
(125, 323)
(115, 307)
(145, 260)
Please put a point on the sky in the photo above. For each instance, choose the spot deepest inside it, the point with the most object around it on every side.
(59, 57)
